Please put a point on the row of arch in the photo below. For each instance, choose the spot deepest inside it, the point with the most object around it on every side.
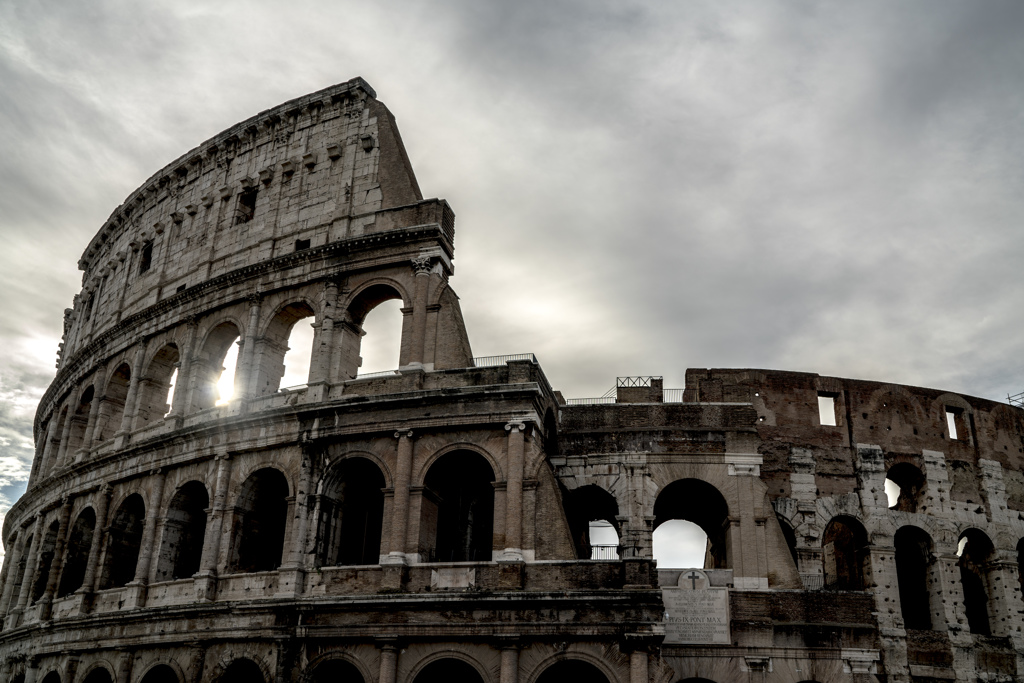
(218, 366)
(333, 670)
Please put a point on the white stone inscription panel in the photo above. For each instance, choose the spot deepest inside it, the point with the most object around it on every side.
(695, 613)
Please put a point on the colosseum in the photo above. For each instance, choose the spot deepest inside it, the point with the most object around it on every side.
(440, 522)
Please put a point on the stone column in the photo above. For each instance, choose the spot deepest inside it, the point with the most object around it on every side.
(48, 446)
(124, 667)
(11, 558)
(509, 664)
(514, 493)
(746, 536)
(65, 437)
(389, 661)
(84, 593)
(206, 579)
(135, 595)
(400, 502)
(21, 551)
(184, 384)
(131, 401)
(246, 373)
(196, 662)
(91, 427)
(46, 600)
(292, 574)
(30, 572)
(422, 266)
(31, 669)
(638, 667)
(320, 366)
(1005, 602)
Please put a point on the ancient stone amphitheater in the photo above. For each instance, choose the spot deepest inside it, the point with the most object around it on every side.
(435, 522)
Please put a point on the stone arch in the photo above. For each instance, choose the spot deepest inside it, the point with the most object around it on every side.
(76, 552)
(52, 677)
(155, 384)
(700, 502)
(336, 454)
(161, 672)
(99, 672)
(332, 668)
(184, 529)
(577, 655)
(124, 540)
(260, 522)
(457, 508)
(896, 413)
(46, 558)
(976, 555)
(80, 421)
(112, 404)
(272, 345)
(351, 512)
(845, 549)
(571, 669)
(587, 504)
(54, 445)
(420, 473)
(208, 367)
(915, 566)
(962, 416)
(242, 670)
(450, 665)
(364, 299)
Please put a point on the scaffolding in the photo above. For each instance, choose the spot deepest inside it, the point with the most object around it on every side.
(1016, 400)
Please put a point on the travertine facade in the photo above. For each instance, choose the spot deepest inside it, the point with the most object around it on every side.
(433, 523)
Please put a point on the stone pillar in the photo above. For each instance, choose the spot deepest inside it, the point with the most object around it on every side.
(509, 664)
(746, 533)
(246, 372)
(31, 669)
(11, 559)
(46, 600)
(84, 593)
(206, 579)
(22, 551)
(47, 454)
(323, 345)
(124, 667)
(870, 466)
(936, 491)
(196, 662)
(65, 437)
(422, 266)
(400, 502)
(638, 667)
(71, 668)
(91, 427)
(184, 384)
(1005, 603)
(292, 574)
(389, 661)
(135, 595)
(131, 401)
(30, 572)
(514, 493)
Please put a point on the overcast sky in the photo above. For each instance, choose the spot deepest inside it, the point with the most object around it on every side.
(639, 187)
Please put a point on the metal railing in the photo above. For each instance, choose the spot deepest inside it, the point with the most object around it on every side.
(382, 373)
(813, 582)
(589, 401)
(491, 361)
(672, 395)
(1016, 399)
(638, 381)
(604, 552)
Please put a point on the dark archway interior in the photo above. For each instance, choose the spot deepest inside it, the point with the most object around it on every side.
(352, 514)
(448, 671)
(52, 677)
(336, 671)
(99, 675)
(181, 550)
(160, 673)
(572, 670)
(77, 553)
(125, 538)
(457, 522)
(114, 402)
(242, 671)
(45, 560)
(911, 482)
(156, 384)
(974, 560)
(260, 518)
(699, 502)
(845, 552)
(790, 536)
(913, 559)
(585, 505)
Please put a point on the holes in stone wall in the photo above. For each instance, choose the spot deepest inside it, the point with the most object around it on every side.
(301, 245)
(586, 507)
(298, 357)
(146, 257)
(259, 524)
(457, 509)
(246, 206)
(124, 541)
(335, 670)
(46, 551)
(352, 514)
(827, 409)
(845, 553)
(161, 673)
(156, 386)
(904, 487)
(112, 407)
(697, 502)
(914, 569)
(181, 549)
(242, 671)
(383, 329)
(284, 353)
(80, 420)
(976, 553)
(76, 554)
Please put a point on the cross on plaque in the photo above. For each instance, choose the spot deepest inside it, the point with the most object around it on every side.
(693, 576)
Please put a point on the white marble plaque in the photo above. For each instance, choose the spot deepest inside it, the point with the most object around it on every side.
(695, 613)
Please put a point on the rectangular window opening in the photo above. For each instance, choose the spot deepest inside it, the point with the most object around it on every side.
(955, 422)
(301, 244)
(146, 261)
(246, 207)
(827, 409)
(181, 288)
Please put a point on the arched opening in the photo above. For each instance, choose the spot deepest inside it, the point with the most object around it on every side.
(17, 572)
(52, 677)
(287, 342)
(19, 678)
(242, 671)
(46, 551)
(79, 422)
(181, 549)
(572, 670)
(681, 544)
(77, 553)
(161, 673)
(382, 342)
(54, 446)
(215, 369)
(112, 407)
(976, 553)
(99, 675)
(336, 671)
(457, 509)
(352, 514)
(352, 334)
(448, 671)
(700, 503)
(124, 540)
(790, 536)
(550, 433)
(260, 516)
(904, 486)
(157, 385)
(914, 561)
(592, 515)
(845, 552)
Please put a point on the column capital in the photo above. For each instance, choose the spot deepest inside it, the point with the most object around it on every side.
(403, 433)
(517, 425)
(423, 264)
